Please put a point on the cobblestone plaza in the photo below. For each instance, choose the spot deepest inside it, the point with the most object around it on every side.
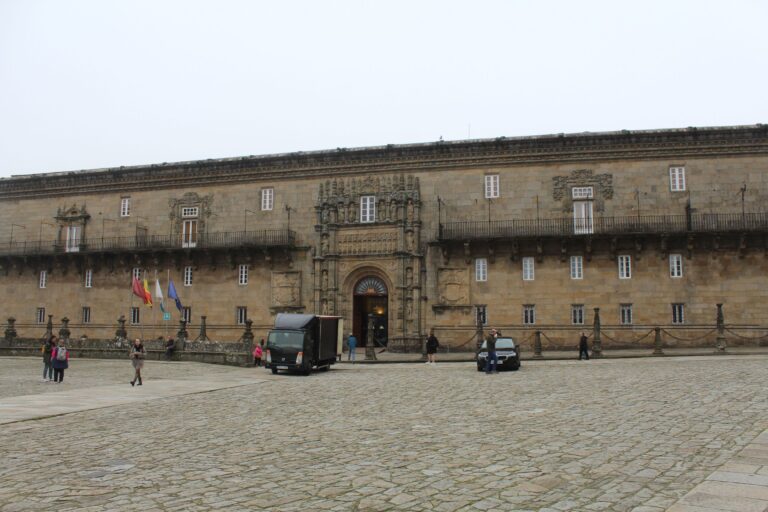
(618, 435)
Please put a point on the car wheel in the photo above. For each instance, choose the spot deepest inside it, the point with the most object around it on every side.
(480, 368)
(274, 371)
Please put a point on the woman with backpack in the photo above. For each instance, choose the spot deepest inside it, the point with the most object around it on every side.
(47, 350)
(137, 359)
(59, 360)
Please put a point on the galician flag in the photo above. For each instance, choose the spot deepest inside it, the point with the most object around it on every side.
(159, 295)
(147, 295)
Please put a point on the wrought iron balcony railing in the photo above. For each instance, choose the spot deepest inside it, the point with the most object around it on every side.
(631, 225)
(141, 243)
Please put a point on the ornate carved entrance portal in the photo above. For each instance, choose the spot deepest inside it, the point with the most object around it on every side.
(370, 300)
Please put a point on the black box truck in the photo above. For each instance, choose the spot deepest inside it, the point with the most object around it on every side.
(302, 342)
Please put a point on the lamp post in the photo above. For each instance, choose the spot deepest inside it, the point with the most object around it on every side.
(288, 209)
(245, 222)
(40, 234)
(137, 228)
(10, 243)
(103, 220)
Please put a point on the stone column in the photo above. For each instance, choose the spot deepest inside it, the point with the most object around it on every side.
(64, 332)
(657, 351)
(720, 342)
(370, 350)
(10, 331)
(597, 344)
(203, 336)
(248, 337)
(49, 327)
(182, 335)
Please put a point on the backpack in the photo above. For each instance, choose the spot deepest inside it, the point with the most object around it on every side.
(61, 354)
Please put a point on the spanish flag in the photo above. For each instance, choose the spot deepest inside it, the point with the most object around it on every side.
(147, 294)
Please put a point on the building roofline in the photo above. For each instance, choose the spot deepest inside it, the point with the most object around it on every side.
(559, 147)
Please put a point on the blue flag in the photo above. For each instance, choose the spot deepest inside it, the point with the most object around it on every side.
(173, 295)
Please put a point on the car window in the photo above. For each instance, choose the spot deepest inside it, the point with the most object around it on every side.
(501, 344)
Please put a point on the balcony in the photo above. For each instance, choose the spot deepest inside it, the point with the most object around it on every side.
(659, 225)
(265, 238)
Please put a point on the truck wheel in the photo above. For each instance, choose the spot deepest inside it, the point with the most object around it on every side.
(274, 371)
(325, 368)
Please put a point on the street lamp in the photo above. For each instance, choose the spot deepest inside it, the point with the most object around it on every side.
(10, 243)
(103, 220)
(40, 235)
(288, 209)
(245, 220)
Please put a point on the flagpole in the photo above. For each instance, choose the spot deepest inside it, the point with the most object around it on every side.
(168, 279)
(141, 324)
(154, 312)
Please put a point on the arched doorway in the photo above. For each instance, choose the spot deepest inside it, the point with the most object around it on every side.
(370, 299)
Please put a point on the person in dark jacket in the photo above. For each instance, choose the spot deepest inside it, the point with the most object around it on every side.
(137, 355)
(170, 346)
(583, 347)
(432, 346)
(490, 345)
(48, 347)
(59, 361)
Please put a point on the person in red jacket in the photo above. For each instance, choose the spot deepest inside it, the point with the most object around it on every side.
(59, 361)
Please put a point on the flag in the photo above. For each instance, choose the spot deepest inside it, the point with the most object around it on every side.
(173, 295)
(147, 295)
(159, 295)
(137, 289)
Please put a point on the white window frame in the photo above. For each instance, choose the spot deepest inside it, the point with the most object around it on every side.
(492, 186)
(73, 239)
(678, 313)
(40, 315)
(186, 314)
(625, 266)
(626, 314)
(529, 314)
(136, 272)
(528, 269)
(583, 218)
(88, 278)
(188, 233)
(677, 178)
(125, 206)
(582, 193)
(675, 265)
(577, 267)
(481, 270)
(86, 315)
(190, 212)
(242, 275)
(241, 315)
(267, 199)
(367, 209)
(135, 315)
(43, 279)
(188, 276)
(481, 312)
(577, 314)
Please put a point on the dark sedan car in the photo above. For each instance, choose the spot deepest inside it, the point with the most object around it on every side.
(506, 350)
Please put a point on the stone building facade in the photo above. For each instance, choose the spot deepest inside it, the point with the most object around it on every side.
(652, 227)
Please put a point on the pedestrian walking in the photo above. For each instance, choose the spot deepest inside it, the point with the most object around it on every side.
(352, 343)
(432, 346)
(490, 345)
(137, 355)
(59, 360)
(47, 350)
(258, 351)
(583, 347)
(170, 347)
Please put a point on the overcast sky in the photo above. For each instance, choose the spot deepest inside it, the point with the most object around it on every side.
(90, 84)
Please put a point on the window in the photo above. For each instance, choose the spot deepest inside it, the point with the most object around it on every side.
(491, 186)
(481, 269)
(186, 314)
(582, 193)
(135, 316)
(73, 239)
(675, 265)
(43, 278)
(190, 212)
(577, 267)
(242, 275)
(137, 272)
(678, 313)
(577, 314)
(89, 278)
(187, 276)
(625, 267)
(368, 209)
(40, 315)
(86, 315)
(677, 179)
(625, 314)
(267, 198)
(125, 207)
(529, 314)
(527, 269)
(189, 233)
(241, 315)
(481, 315)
